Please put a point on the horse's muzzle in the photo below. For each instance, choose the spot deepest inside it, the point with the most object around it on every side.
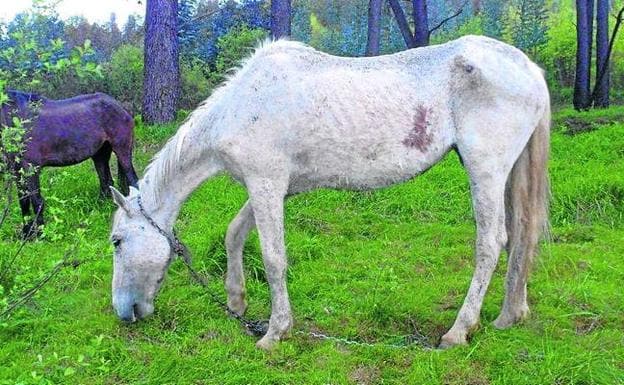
(128, 309)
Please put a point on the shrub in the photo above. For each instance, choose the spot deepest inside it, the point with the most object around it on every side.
(558, 56)
(194, 85)
(233, 47)
(124, 74)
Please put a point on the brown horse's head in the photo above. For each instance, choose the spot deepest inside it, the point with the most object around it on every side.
(23, 105)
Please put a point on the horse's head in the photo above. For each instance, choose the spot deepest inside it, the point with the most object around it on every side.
(23, 105)
(141, 258)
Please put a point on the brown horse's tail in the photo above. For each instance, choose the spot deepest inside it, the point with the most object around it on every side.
(526, 204)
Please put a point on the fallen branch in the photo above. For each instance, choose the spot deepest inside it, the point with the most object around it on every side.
(28, 294)
(6, 266)
(9, 202)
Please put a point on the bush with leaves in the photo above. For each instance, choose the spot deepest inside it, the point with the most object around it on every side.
(124, 74)
(43, 68)
(233, 47)
(50, 69)
(195, 84)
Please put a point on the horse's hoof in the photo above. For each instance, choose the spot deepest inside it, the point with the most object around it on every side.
(266, 343)
(507, 319)
(451, 340)
(30, 231)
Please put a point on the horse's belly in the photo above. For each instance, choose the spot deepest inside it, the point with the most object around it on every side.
(367, 170)
(61, 149)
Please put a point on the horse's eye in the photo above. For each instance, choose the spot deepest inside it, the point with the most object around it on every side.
(116, 242)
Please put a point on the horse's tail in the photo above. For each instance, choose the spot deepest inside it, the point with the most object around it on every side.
(526, 203)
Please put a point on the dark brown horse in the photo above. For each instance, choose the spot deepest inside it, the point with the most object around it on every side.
(66, 132)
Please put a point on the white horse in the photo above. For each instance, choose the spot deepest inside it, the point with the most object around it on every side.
(293, 119)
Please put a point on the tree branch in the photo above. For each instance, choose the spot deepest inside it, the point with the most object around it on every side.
(605, 66)
(399, 15)
(197, 18)
(444, 21)
(28, 294)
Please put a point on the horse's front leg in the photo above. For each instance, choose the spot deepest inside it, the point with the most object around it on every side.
(489, 207)
(23, 196)
(237, 233)
(267, 199)
(32, 227)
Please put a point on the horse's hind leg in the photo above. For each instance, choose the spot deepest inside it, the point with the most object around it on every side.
(126, 174)
(488, 187)
(101, 161)
(235, 238)
(267, 199)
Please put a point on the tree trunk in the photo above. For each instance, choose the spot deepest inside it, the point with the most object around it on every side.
(280, 18)
(476, 7)
(601, 91)
(584, 16)
(399, 15)
(161, 82)
(374, 27)
(421, 23)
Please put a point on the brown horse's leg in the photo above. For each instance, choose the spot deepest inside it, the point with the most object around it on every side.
(32, 228)
(126, 174)
(24, 202)
(101, 160)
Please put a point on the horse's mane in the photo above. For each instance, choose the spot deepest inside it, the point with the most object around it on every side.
(21, 97)
(163, 164)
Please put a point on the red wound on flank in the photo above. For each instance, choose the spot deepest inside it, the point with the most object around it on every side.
(419, 137)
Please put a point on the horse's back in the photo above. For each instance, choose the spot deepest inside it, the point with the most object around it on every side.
(361, 122)
(68, 131)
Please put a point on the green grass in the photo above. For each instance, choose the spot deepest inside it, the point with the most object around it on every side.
(367, 266)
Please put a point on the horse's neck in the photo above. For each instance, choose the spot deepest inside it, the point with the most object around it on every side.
(171, 179)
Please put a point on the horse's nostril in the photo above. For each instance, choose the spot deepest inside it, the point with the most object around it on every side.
(135, 311)
(127, 314)
(129, 317)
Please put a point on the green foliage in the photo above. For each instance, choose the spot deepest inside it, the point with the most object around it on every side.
(617, 60)
(48, 72)
(558, 55)
(43, 69)
(474, 26)
(493, 12)
(124, 74)
(527, 24)
(235, 46)
(195, 86)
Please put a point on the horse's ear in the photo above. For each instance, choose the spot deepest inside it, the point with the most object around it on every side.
(120, 200)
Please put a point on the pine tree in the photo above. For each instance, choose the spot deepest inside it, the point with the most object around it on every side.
(529, 28)
(188, 29)
(161, 82)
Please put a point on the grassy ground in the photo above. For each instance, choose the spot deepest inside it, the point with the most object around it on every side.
(367, 266)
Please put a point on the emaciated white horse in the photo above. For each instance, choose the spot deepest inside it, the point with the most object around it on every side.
(293, 119)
